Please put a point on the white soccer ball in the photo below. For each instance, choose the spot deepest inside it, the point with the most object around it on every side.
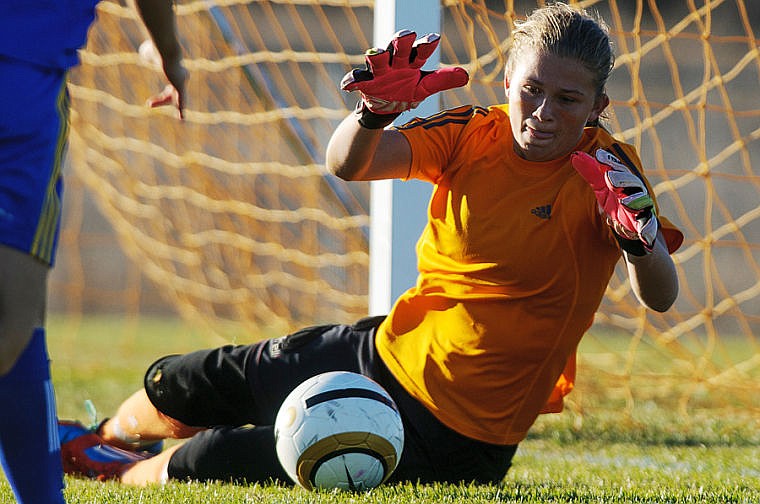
(339, 430)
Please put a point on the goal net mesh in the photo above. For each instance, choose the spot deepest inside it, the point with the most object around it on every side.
(231, 219)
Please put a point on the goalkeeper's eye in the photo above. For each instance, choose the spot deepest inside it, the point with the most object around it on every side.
(531, 90)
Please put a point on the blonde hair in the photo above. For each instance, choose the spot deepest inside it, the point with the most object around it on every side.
(565, 31)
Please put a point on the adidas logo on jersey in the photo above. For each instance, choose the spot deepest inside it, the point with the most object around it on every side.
(543, 211)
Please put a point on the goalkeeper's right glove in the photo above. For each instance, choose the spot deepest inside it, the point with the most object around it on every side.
(393, 81)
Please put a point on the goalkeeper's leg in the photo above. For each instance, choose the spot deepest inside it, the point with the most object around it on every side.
(240, 454)
(152, 470)
(137, 423)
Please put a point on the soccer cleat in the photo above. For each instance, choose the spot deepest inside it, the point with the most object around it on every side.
(84, 453)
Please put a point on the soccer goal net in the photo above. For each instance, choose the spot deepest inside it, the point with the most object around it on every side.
(228, 218)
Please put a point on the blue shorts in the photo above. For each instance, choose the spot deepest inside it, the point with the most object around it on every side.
(33, 132)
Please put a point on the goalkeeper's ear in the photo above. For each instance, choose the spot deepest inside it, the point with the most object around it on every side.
(600, 104)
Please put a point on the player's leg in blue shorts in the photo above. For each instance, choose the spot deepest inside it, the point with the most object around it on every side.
(33, 127)
(33, 134)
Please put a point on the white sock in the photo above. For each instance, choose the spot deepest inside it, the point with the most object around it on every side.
(122, 435)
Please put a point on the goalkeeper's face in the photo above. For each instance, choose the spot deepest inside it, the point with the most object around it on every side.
(551, 99)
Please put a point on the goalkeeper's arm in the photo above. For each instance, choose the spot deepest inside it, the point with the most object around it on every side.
(624, 197)
(358, 153)
(392, 82)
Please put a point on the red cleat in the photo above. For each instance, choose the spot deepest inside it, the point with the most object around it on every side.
(84, 453)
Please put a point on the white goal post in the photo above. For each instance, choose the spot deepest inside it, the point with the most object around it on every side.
(398, 209)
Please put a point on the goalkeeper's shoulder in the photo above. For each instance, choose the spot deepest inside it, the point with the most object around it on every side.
(454, 117)
(601, 138)
(467, 128)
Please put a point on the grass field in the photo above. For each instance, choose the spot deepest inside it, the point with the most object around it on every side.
(605, 456)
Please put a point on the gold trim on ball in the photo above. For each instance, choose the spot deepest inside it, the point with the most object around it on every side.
(364, 442)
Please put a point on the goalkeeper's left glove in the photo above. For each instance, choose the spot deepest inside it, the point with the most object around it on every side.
(393, 81)
(623, 196)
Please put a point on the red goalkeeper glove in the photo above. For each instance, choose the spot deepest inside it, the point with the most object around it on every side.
(623, 196)
(393, 81)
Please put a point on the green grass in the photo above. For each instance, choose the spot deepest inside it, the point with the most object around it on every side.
(605, 455)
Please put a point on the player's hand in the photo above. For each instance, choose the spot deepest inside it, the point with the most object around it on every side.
(393, 80)
(622, 195)
(174, 92)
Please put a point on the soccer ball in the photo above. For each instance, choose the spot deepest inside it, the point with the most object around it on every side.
(339, 430)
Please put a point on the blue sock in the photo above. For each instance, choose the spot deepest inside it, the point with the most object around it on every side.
(30, 451)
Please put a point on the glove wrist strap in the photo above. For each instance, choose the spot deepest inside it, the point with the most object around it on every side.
(372, 120)
(633, 247)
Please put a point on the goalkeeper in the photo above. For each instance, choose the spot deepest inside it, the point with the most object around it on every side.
(533, 206)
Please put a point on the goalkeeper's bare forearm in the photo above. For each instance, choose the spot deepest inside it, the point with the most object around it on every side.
(653, 276)
(357, 153)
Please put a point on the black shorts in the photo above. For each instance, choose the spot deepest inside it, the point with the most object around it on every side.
(236, 391)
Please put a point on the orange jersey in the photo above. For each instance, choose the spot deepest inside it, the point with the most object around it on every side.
(514, 261)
